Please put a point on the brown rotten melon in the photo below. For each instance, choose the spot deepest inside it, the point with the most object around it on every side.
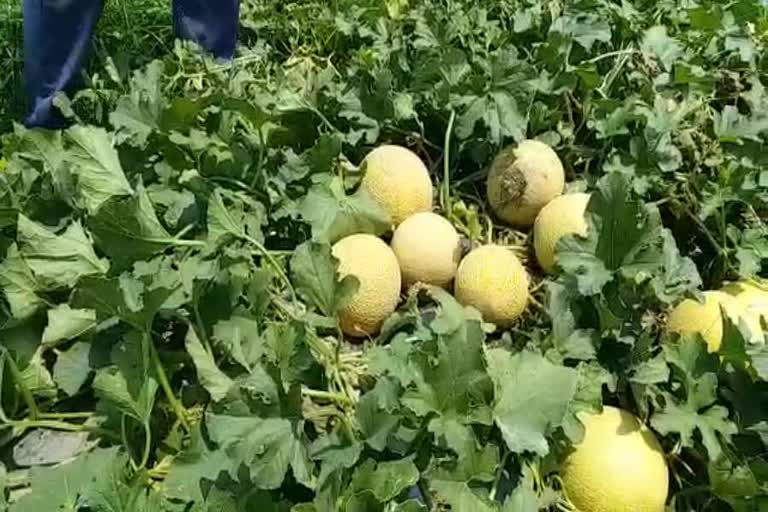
(523, 179)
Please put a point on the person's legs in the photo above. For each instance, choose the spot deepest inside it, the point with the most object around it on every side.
(210, 23)
(57, 36)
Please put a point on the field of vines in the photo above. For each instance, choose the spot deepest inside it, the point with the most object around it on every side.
(173, 296)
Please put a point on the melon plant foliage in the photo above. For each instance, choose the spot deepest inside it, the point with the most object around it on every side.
(169, 321)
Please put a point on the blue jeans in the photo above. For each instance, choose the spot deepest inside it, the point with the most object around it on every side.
(57, 36)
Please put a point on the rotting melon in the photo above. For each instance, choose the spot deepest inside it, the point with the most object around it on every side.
(522, 180)
(493, 280)
(428, 249)
(562, 216)
(692, 316)
(375, 266)
(398, 181)
(619, 466)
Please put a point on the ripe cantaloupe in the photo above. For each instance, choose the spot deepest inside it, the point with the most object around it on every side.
(492, 280)
(692, 316)
(398, 181)
(564, 215)
(428, 249)
(374, 264)
(522, 180)
(619, 466)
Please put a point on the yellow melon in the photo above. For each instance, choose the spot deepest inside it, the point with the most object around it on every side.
(619, 466)
(397, 180)
(375, 266)
(522, 180)
(752, 299)
(564, 215)
(692, 316)
(428, 249)
(492, 280)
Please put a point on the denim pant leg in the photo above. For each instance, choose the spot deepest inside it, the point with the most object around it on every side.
(212, 24)
(57, 37)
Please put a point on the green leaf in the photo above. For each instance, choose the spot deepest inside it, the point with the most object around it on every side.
(501, 114)
(625, 236)
(127, 229)
(58, 260)
(211, 377)
(19, 285)
(385, 480)
(268, 447)
(696, 409)
(124, 298)
(532, 397)
(335, 455)
(111, 386)
(3, 477)
(475, 465)
(315, 274)
(452, 386)
(460, 497)
(240, 338)
(522, 499)
(36, 377)
(192, 467)
(333, 214)
(588, 397)
(62, 487)
(732, 126)
(72, 368)
(93, 159)
(233, 216)
(395, 360)
(683, 419)
(65, 323)
(376, 416)
(585, 28)
(658, 44)
(732, 480)
(651, 371)
(136, 114)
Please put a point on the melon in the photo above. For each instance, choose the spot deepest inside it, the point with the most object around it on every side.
(428, 249)
(752, 300)
(493, 280)
(692, 316)
(397, 179)
(619, 466)
(562, 216)
(375, 266)
(522, 180)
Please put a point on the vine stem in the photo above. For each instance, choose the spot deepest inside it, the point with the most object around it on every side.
(424, 491)
(65, 415)
(446, 192)
(147, 445)
(26, 394)
(272, 261)
(326, 395)
(60, 425)
(124, 439)
(499, 474)
(162, 377)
